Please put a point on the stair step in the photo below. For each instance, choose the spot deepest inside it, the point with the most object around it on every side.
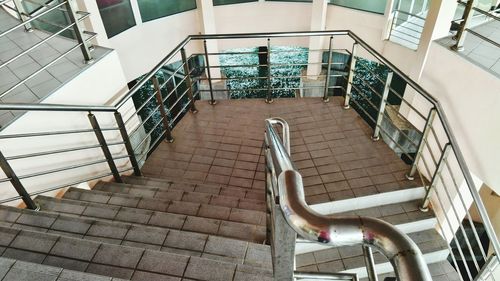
(213, 198)
(242, 231)
(351, 259)
(198, 187)
(140, 236)
(439, 271)
(176, 207)
(118, 261)
(11, 269)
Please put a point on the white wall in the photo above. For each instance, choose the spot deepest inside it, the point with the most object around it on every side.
(97, 85)
(469, 96)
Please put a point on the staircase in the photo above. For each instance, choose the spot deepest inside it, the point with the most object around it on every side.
(143, 229)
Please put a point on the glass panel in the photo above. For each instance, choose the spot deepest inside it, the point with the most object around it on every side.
(227, 2)
(308, 1)
(373, 6)
(117, 16)
(154, 9)
(52, 21)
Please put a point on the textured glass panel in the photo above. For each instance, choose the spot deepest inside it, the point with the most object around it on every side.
(227, 2)
(53, 21)
(373, 6)
(154, 9)
(116, 15)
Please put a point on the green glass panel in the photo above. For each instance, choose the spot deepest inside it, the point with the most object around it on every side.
(373, 6)
(308, 1)
(53, 21)
(227, 2)
(117, 16)
(154, 9)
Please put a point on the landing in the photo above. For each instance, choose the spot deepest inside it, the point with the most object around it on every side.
(331, 147)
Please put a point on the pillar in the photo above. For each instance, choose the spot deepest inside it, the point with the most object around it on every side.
(318, 23)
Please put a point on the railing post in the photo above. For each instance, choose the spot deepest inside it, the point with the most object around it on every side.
(212, 101)
(187, 72)
(460, 36)
(383, 103)
(128, 145)
(435, 178)
(328, 70)
(104, 146)
(165, 120)
(84, 47)
(23, 15)
(421, 145)
(370, 263)
(269, 98)
(14, 180)
(350, 76)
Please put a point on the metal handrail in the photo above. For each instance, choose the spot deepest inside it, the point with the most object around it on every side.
(402, 252)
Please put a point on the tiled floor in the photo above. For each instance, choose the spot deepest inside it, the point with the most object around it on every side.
(331, 147)
(478, 51)
(44, 83)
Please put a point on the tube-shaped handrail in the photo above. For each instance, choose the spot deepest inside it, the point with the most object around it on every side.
(402, 252)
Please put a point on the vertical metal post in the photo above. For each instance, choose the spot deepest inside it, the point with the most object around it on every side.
(421, 145)
(84, 46)
(23, 15)
(328, 71)
(209, 75)
(104, 146)
(269, 98)
(370, 263)
(14, 180)
(128, 145)
(435, 178)
(187, 73)
(381, 110)
(460, 36)
(350, 76)
(163, 112)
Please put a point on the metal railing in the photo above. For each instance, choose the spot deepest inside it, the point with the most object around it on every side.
(406, 28)
(286, 191)
(75, 18)
(415, 126)
(465, 25)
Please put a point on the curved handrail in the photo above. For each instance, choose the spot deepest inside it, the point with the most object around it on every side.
(402, 252)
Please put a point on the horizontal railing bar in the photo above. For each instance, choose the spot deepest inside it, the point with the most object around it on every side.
(149, 134)
(325, 276)
(22, 24)
(409, 14)
(481, 11)
(272, 77)
(178, 100)
(406, 39)
(402, 25)
(484, 38)
(408, 103)
(267, 35)
(51, 152)
(54, 107)
(150, 115)
(5, 180)
(141, 107)
(71, 167)
(152, 145)
(179, 113)
(41, 134)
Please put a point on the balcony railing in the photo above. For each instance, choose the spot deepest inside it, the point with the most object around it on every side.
(122, 135)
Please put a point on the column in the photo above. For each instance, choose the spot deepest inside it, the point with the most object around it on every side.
(318, 23)
(207, 20)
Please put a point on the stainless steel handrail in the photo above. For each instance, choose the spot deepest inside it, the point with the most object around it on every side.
(402, 252)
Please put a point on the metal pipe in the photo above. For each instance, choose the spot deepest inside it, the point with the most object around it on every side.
(269, 98)
(425, 133)
(370, 263)
(168, 133)
(325, 276)
(71, 7)
(104, 146)
(435, 179)
(460, 36)
(187, 73)
(16, 183)
(350, 78)
(383, 102)
(327, 78)
(209, 75)
(403, 253)
(128, 144)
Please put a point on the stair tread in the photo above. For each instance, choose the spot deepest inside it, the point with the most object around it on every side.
(13, 269)
(195, 186)
(439, 271)
(242, 231)
(398, 213)
(350, 257)
(212, 198)
(173, 241)
(169, 206)
(118, 260)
